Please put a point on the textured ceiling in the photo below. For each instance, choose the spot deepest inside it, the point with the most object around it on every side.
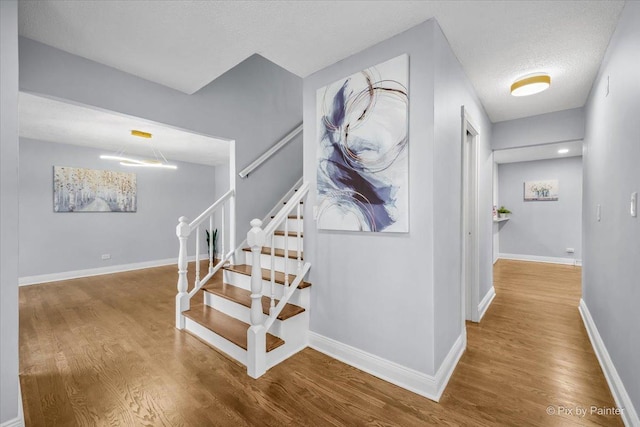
(50, 120)
(187, 44)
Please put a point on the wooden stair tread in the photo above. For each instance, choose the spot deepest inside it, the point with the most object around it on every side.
(243, 297)
(291, 233)
(227, 327)
(266, 250)
(290, 216)
(266, 274)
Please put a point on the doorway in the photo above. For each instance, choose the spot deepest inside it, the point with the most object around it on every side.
(469, 202)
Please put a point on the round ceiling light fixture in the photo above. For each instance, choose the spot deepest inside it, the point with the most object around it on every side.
(530, 85)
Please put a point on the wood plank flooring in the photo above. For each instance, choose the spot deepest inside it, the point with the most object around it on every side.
(226, 326)
(103, 351)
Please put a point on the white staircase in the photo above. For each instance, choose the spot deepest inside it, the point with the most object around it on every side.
(256, 309)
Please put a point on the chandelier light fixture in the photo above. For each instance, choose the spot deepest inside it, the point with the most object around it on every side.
(158, 160)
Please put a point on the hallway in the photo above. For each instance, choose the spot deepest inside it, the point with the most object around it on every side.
(103, 351)
(531, 353)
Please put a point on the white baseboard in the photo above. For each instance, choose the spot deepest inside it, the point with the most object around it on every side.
(537, 258)
(19, 420)
(444, 372)
(420, 383)
(486, 302)
(16, 422)
(620, 395)
(66, 275)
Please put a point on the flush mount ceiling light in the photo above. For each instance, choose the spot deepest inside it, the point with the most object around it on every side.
(563, 151)
(530, 85)
(159, 160)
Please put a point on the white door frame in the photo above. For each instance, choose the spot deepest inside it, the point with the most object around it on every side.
(469, 221)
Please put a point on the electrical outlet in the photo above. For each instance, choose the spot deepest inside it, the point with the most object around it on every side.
(633, 211)
(570, 250)
(106, 257)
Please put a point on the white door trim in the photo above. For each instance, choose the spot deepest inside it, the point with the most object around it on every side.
(469, 288)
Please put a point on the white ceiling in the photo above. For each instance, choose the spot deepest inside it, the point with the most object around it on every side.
(187, 44)
(55, 121)
(538, 152)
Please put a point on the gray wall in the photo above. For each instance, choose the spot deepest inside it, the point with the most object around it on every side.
(63, 242)
(374, 291)
(379, 292)
(559, 126)
(256, 103)
(611, 247)
(453, 89)
(542, 228)
(9, 210)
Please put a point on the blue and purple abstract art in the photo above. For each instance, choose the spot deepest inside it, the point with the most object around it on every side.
(363, 168)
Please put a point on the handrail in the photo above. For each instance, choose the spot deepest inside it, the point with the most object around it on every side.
(286, 296)
(184, 230)
(206, 278)
(277, 206)
(258, 238)
(286, 209)
(270, 152)
(211, 209)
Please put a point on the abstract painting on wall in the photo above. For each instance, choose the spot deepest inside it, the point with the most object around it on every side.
(541, 190)
(91, 190)
(363, 166)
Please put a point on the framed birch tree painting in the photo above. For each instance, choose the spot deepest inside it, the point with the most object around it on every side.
(92, 190)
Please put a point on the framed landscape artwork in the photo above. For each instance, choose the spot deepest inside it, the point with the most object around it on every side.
(362, 169)
(541, 190)
(91, 190)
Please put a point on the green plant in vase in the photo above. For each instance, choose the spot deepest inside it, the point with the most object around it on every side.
(211, 240)
(503, 212)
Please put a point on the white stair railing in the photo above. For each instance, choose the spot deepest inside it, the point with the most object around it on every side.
(256, 238)
(270, 152)
(184, 230)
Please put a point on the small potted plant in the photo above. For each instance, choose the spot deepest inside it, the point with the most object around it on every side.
(210, 244)
(503, 212)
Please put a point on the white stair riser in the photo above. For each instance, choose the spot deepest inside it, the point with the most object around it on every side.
(217, 341)
(228, 307)
(291, 330)
(279, 262)
(300, 296)
(294, 333)
(293, 225)
(292, 242)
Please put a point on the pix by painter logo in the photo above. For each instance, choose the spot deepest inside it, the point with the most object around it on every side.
(582, 411)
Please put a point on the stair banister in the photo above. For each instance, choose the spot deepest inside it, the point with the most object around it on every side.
(211, 209)
(284, 212)
(270, 152)
(257, 334)
(183, 231)
(299, 240)
(182, 299)
(256, 239)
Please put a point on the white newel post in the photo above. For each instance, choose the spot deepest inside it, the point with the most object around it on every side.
(182, 299)
(256, 335)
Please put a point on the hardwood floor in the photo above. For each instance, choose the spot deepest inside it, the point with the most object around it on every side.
(104, 351)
